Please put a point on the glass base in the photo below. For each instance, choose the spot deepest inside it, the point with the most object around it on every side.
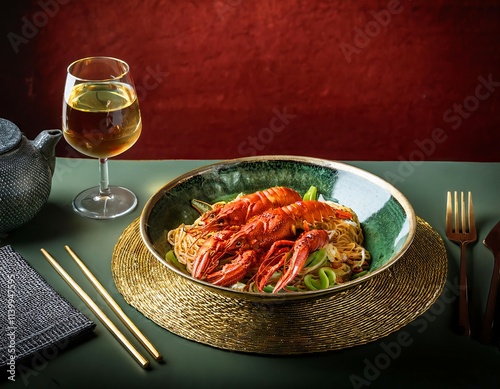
(91, 204)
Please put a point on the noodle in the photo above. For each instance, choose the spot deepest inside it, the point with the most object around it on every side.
(185, 244)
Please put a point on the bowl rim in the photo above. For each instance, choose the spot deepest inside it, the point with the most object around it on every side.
(398, 195)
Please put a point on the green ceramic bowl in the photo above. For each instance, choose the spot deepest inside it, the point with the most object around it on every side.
(387, 218)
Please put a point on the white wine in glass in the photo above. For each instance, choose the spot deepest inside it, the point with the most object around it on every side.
(101, 119)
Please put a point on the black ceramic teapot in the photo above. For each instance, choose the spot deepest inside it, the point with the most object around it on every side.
(26, 169)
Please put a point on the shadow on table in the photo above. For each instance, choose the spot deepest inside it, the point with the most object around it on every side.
(52, 220)
(32, 365)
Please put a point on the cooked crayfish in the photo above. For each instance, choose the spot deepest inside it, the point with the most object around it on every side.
(268, 238)
(306, 243)
(238, 211)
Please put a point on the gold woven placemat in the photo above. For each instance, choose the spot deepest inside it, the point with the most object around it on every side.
(371, 310)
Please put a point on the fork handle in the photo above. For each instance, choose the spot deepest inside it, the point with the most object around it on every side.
(463, 301)
(488, 322)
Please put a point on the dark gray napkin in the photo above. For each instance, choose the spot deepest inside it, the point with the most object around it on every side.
(33, 316)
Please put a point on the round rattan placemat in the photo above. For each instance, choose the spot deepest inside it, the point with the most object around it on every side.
(366, 312)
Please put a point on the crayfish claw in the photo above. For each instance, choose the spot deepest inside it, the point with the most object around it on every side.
(233, 271)
(209, 254)
(306, 243)
(272, 262)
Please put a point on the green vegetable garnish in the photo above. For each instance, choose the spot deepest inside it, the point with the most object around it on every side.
(315, 258)
(311, 194)
(170, 257)
(201, 206)
(270, 288)
(327, 278)
(360, 274)
(227, 198)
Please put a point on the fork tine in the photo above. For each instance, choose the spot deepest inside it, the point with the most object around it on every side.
(464, 224)
(472, 223)
(460, 213)
(448, 213)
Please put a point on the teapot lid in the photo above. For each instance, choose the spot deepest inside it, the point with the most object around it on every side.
(10, 135)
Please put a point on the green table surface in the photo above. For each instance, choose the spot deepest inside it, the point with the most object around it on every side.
(436, 357)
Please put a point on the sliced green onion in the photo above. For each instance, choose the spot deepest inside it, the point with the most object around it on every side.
(170, 257)
(360, 274)
(227, 198)
(201, 206)
(310, 282)
(329, 274)
(323, 279)
(311, 194)
(315, 258)
(327, 278)
(270, 288)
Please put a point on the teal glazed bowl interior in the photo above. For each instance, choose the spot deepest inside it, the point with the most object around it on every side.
(387, 218)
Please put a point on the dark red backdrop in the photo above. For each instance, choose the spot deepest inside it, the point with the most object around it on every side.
(367, 80)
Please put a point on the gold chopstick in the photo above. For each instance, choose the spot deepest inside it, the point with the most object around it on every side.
(116, 308)
(100, 314)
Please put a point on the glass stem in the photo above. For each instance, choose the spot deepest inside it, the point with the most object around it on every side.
(104, 181)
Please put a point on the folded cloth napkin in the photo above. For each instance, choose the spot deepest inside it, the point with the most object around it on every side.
(33, 316)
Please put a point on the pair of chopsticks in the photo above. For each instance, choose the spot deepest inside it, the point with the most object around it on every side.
(100, 314)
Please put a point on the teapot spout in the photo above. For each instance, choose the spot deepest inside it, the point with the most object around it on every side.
(46, 143)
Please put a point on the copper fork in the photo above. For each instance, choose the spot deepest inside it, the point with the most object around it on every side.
(462, 231)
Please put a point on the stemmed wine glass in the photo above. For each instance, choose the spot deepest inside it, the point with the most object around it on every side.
(101, 118)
